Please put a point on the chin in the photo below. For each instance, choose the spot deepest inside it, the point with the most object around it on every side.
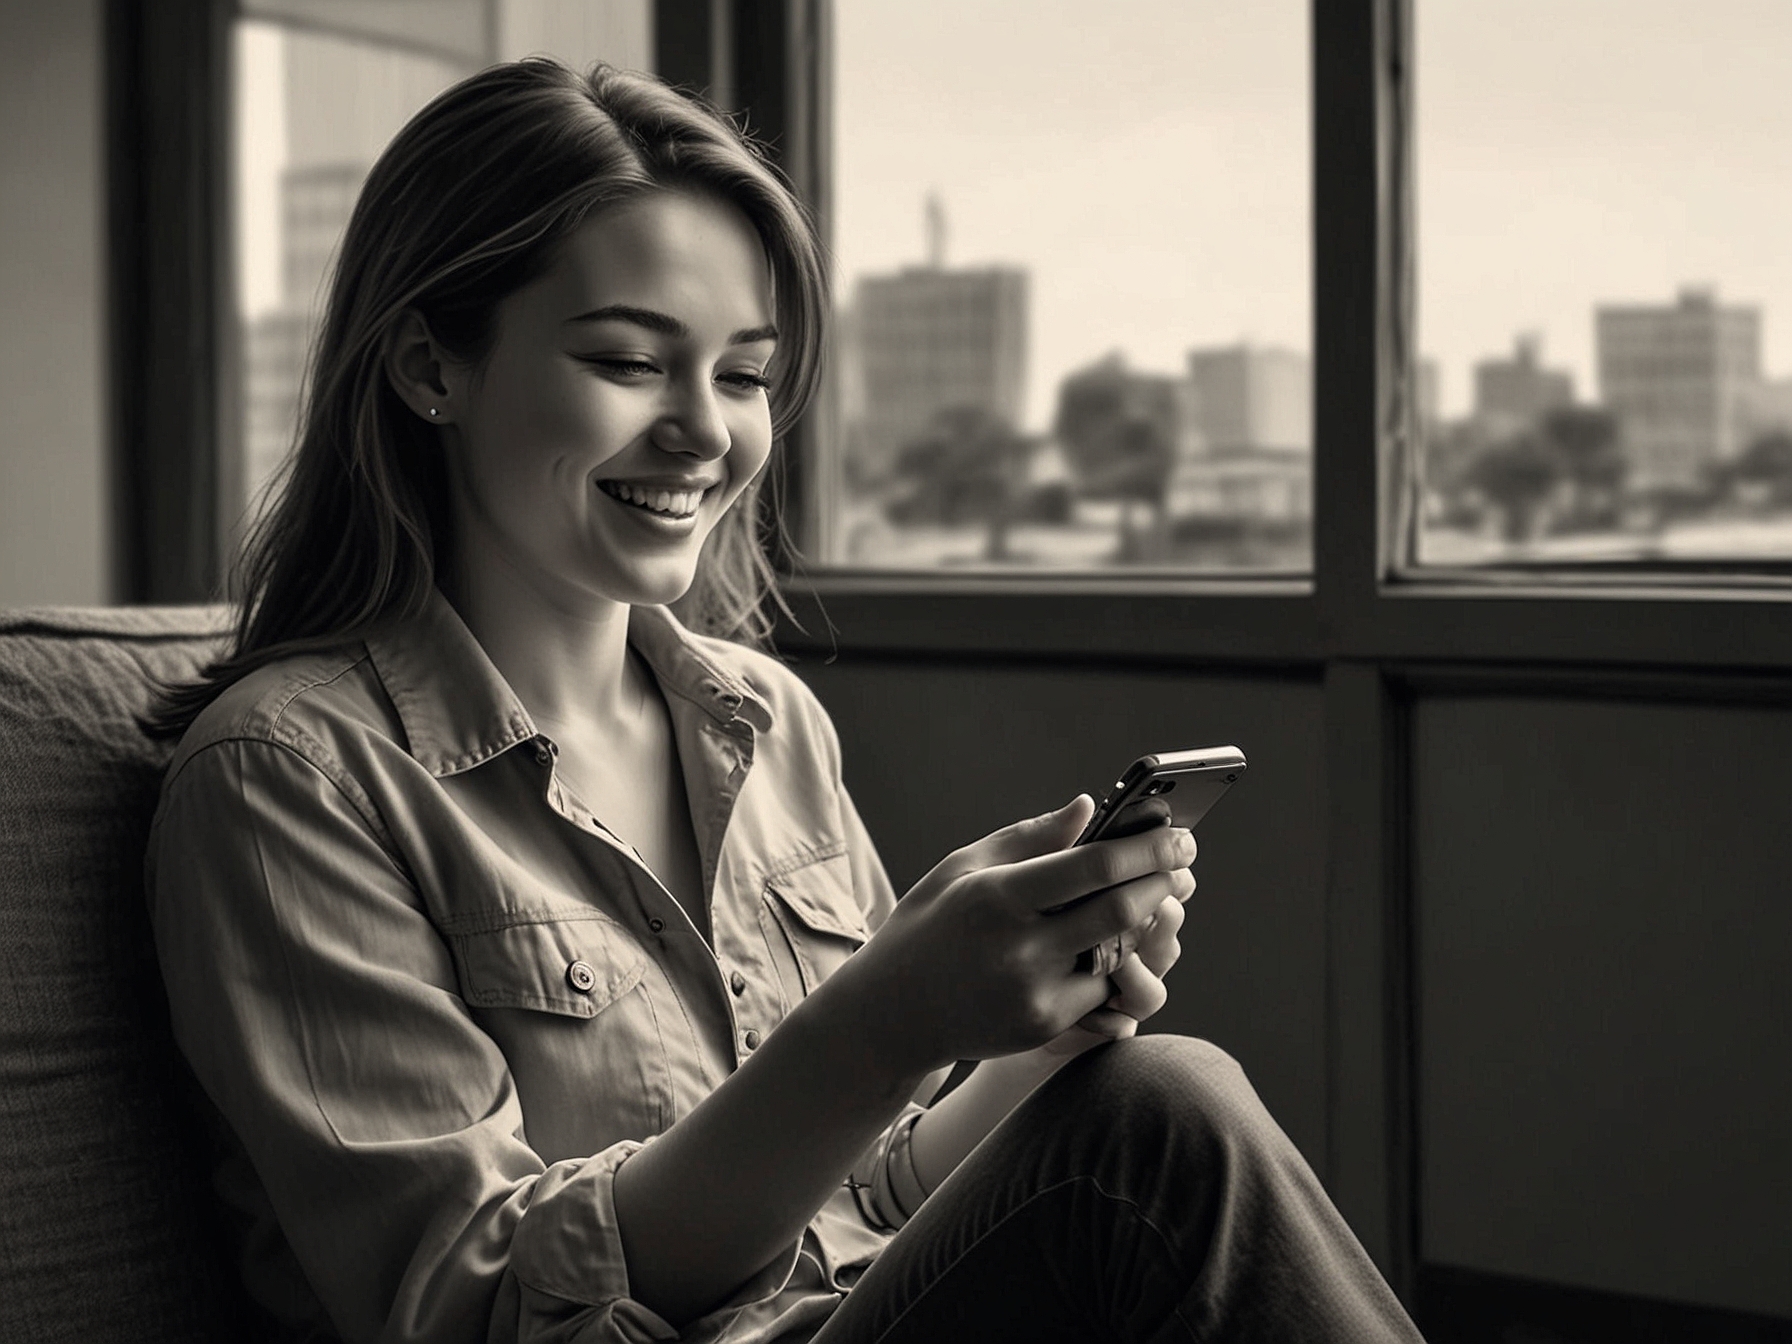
(652, 590)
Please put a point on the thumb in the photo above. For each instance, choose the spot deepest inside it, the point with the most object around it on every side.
(1045, 834)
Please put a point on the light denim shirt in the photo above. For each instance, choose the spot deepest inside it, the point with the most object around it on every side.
(438, 1003)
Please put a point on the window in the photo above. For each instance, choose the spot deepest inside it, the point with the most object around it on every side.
(1072, 275)
(1605, 303)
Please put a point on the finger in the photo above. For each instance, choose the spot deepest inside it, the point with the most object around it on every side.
(1105, 957)
(1139, 815)
(1117, 912)
(1138, 993)
(1157, 946)
(1052, 882)
(1110, 1023)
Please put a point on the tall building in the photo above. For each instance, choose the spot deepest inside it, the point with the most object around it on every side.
(930, 338)
(315, 203)
(1512, 393)
(1248, 397)
(275, 346)
(1676, 377)
(1252, 415)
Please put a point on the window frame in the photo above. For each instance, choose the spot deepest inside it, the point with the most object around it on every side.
(1361, 601)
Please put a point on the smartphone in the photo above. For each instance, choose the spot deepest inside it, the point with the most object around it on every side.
(1174, 788)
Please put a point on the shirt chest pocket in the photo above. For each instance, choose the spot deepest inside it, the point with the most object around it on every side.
(576, 965)
(572, 998)
(812, 923)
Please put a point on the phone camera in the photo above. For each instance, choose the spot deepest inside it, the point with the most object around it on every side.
(1158, 786)
(1231, 779)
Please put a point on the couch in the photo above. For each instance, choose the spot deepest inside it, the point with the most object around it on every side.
(107, 1226)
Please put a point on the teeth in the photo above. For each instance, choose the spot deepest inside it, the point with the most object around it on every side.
(674, 503)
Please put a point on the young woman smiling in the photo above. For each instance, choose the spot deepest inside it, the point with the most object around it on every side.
(524, 935)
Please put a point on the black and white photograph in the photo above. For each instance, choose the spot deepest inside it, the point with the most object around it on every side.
(895, 672)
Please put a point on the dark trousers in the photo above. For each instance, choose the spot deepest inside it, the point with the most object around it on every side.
(1141, 1194)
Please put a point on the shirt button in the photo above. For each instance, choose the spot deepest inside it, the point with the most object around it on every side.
(581, 977)
(738, 983)
(656, 924)
(542, 755)
(752, 1040)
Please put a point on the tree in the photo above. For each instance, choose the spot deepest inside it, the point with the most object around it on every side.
(1118, 430)
(1586, 443)
(1764, 469)
(969, 466)
(1517, 476)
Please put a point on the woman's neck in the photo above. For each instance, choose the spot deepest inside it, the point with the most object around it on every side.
(567, 660)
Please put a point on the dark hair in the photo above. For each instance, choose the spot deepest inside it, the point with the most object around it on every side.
(464, 207)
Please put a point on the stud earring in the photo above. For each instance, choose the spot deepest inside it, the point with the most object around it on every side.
(433, 412)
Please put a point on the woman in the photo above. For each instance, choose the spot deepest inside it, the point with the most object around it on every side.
(480, 882)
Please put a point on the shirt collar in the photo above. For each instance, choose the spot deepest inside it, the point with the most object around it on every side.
(458, 711)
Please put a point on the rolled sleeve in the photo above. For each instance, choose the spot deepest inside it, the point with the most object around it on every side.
(320, 1010)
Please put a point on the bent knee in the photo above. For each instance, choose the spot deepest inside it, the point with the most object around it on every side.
(1176, 1079)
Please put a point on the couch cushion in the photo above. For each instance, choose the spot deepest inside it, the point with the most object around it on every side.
(107, 1226)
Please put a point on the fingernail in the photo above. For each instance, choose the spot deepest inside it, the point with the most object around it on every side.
(1185, 846)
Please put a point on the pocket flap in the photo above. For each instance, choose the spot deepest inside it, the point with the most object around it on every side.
(576, 965)
(819, 894)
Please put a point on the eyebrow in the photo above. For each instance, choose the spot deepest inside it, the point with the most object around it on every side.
(666, 324)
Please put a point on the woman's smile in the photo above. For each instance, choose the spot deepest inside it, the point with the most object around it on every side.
(673, 502)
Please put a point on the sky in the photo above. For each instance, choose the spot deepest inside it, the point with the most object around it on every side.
(1148, 161)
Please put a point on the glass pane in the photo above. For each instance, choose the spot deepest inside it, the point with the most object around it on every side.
(1600, 193)
(1072, 259)
(316, 100)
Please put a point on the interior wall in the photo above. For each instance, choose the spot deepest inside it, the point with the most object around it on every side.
(54, 546)
(938, 754)
(1603, 931)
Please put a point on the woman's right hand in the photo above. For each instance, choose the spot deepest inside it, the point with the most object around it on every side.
(980, 958)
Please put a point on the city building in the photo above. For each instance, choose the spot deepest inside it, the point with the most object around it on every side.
(1427, 392)
(274, 351)
(928, 339)
(316, 200)
(1513, 393)
(1676, 377)
(1250, 397)
(315, 203)
(1251, 411)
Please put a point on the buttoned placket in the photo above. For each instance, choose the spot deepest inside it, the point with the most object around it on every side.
(737, 965)
(742, 959)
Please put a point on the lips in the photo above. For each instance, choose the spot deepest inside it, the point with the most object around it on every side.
(667, 503)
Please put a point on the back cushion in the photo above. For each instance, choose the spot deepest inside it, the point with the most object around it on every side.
(107, 1228)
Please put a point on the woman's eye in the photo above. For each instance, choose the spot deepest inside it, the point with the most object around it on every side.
(746, 380)
(628, 368)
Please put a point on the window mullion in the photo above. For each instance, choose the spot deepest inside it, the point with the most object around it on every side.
(1351, 303)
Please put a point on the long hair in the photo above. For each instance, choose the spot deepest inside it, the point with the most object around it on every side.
(465, 206)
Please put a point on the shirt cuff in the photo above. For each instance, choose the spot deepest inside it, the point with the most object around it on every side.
(566, 1257)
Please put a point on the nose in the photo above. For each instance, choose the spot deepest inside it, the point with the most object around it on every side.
(693, 423)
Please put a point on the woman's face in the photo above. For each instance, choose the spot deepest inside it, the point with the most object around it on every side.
(622, 408)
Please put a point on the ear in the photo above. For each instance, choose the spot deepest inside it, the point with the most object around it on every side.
(417, 369)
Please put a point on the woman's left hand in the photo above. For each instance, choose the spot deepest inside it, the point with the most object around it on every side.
(1138, 986)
